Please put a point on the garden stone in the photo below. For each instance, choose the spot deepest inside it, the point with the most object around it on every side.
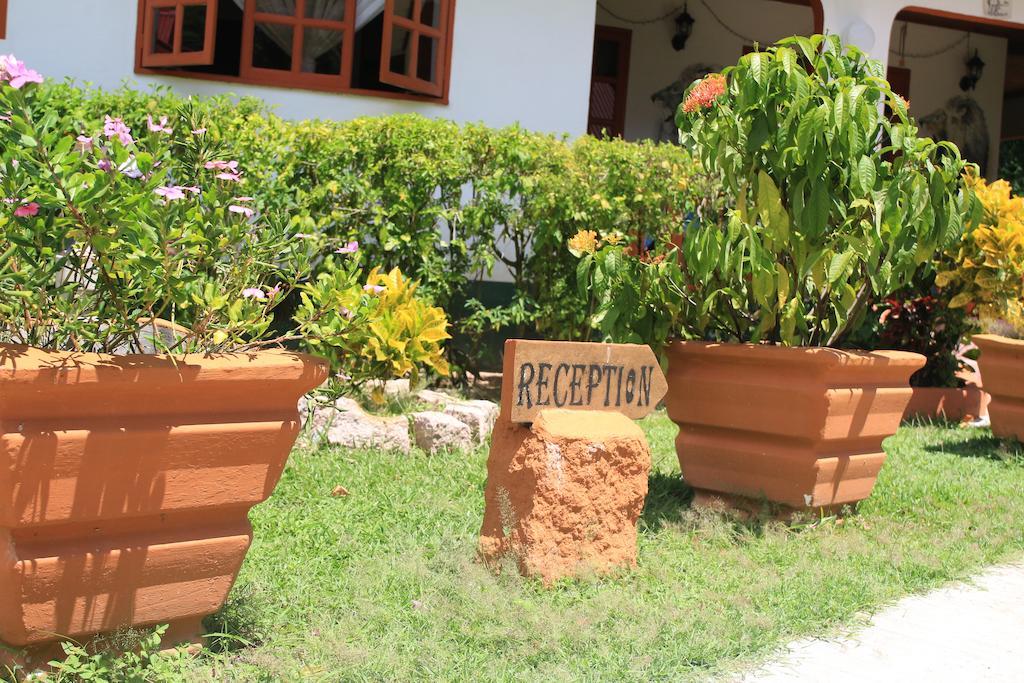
(437, 399)
(479, 416)
(392, 387)
(564, 495)
(436, 431)
(353, 427)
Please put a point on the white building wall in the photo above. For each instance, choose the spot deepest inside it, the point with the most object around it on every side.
(527, 61)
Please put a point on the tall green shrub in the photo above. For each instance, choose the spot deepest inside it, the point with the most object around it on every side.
(443, 202)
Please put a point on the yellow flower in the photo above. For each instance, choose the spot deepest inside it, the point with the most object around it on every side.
(583, 242)
(613, 239)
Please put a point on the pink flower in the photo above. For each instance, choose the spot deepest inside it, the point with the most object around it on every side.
(158, 127)
(254, 293)
(244, 210)
(347, 314)
(242, 199)
(350, 248)
(275, 291)
(29, 209)
(6, 117)
(16, 73)
(104, 165)
(192, 188)
(376, 289)
(233, 177)
(170, 192)
(221, 165)
(343, 377)
(198, 131)
(84, 143)
(116, 128)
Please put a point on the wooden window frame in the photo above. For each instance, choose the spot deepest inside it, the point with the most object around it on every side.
(416, 28)
(296, 76)
(176, 57)
(310, 84)
(3, 19)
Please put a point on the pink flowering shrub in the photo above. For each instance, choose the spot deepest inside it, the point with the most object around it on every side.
(104, 230)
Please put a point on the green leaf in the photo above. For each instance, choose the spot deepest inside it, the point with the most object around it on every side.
(866, 174)
(840, 265)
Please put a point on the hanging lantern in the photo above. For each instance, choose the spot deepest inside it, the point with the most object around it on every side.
(684, 27)
(975, 67)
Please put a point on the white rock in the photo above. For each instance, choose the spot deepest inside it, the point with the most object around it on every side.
(352, 427)
(437, 431)
(434, 398)
(479, 416)
(490, 408)
(392, 387)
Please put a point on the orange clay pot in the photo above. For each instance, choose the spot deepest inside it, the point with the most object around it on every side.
(126, 482)
(802, 427)
(950, 403)
(1002, 374)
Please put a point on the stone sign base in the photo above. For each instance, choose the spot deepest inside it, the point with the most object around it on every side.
(564, 494)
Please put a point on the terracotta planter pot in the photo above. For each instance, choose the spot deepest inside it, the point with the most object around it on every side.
(126, 481)
(947, 402)
(799, 426)
(1002, 375)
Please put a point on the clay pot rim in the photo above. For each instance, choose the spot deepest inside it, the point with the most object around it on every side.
(19, 360)
(996, 341)
(802, 354)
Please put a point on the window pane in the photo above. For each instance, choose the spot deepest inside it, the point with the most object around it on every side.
(606, 58)
(193, 28)
(321, 51)
(400, 39)
(403, 8)
(272, 46)
(427, 59)
(330, 10)
(430, 13)
(163, 30)
(286, 7)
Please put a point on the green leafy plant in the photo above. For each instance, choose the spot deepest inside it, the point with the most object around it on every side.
(108, 231)
(125, 657)
(836, 203)
(444, 203)
(986, 270)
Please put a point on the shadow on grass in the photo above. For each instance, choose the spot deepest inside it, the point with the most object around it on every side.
(236, 625)
(984, 446)
(667, 499)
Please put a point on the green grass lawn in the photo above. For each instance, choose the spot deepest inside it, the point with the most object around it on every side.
(383, 585)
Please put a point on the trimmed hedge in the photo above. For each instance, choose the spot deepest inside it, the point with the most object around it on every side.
(448, 204)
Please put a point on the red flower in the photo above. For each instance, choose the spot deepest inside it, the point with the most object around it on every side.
(705, 93)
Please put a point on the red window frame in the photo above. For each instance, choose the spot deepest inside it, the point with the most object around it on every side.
(296, 76)
(3, 19)
(321, 82)
(417, 28)
(151, 28)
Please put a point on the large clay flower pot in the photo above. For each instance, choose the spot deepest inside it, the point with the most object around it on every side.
(950, 403)
(802, 427)
(1002, 375)
(126, 482)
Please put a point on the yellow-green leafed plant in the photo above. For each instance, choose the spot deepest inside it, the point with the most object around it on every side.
(987, 268)
(405, 332)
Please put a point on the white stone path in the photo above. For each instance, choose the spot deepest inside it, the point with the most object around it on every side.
(963, 633)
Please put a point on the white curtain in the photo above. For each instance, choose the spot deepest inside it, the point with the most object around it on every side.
(320, 43)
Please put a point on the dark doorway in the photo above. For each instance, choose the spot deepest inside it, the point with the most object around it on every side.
(609, 80)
